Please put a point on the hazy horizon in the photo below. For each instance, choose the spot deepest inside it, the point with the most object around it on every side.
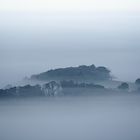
(36, 36)
(39, 35)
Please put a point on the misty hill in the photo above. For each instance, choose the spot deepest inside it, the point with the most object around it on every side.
(80, 73)
(64, 88)
(51, 89)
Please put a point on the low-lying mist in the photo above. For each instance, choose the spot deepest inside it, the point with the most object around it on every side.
(97, 117)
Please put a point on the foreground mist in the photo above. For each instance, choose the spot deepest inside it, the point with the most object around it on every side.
(97, 117)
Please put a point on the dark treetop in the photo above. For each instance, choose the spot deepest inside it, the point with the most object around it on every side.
(81, 73)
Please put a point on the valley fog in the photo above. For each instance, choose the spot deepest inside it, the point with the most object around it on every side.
(97, 117)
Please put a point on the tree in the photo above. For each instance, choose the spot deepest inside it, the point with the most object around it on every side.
(82, 72)
(124, 86)
(137, 82)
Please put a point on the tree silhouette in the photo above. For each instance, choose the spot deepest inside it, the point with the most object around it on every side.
(124, 86)
(137, 82)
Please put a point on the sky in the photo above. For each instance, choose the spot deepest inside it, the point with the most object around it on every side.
(69, 5)
(37, 35)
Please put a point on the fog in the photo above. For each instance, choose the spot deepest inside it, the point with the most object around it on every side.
(39, 35)
(32, 42)
(98, 117)
(18, 63)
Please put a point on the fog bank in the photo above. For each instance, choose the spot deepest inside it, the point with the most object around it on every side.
(97, 117)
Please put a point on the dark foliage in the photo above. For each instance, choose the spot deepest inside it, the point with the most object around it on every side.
(27, 90)
(75, 73)
(52, 88)
(137, 82)
(124, 86)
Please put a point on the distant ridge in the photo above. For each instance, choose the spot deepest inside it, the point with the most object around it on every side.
(80, 73)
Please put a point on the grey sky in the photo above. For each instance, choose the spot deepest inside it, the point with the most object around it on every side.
(33, 42)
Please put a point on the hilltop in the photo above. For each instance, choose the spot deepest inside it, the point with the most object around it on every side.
(80, 73)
